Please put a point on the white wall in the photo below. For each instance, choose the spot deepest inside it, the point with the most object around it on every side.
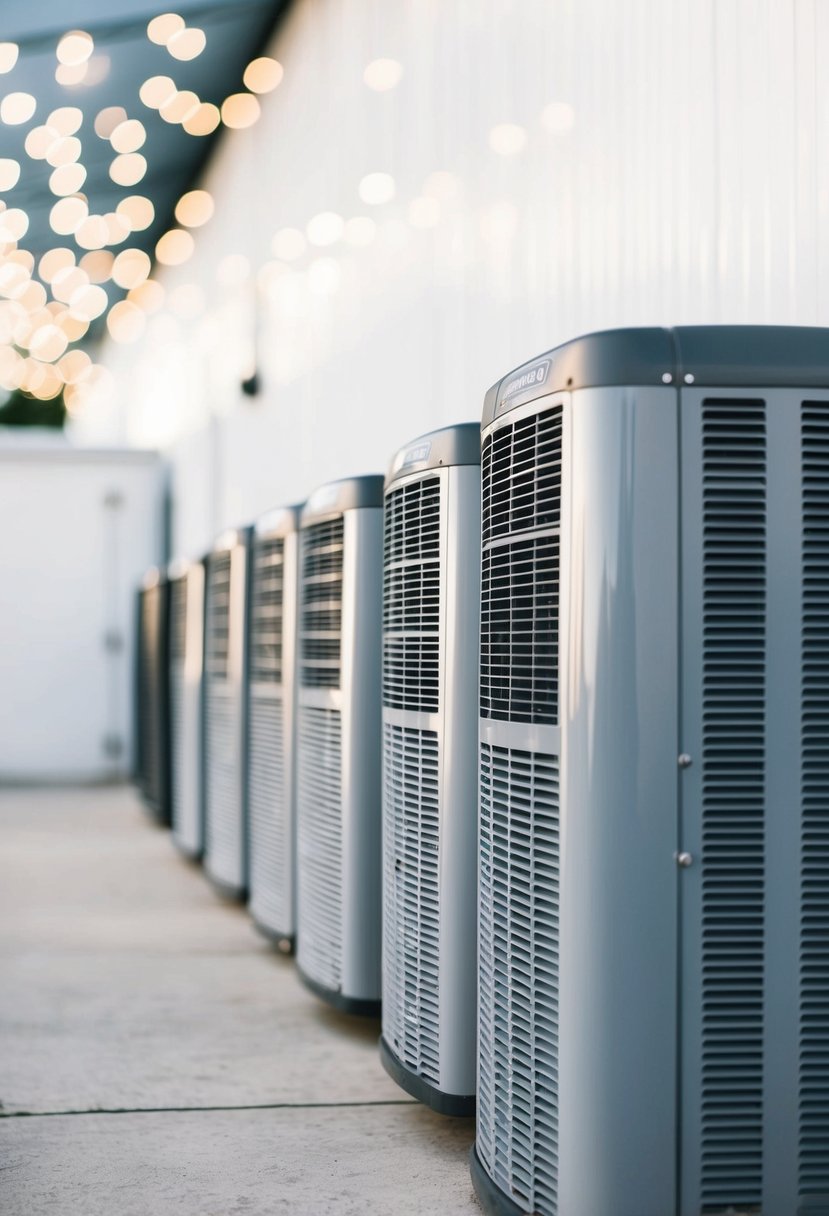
(79, 530)
(692, 187)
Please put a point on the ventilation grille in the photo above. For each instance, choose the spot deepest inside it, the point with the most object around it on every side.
(411, 596)
(178, 619)
(411, 899)
(224, 831)
(319, 924)
(217, 646)
(269, 809)
(814, 940)
(322, 597)
(152, 745)
(266, 611)
(520, 572)
(733, 796)
(521, 476)
(519, 976)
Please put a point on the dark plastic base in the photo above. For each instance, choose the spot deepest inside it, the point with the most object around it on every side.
(284, 942)
(345, 1004)
(457, 1105)
(158, 814)
(491, 1198)
(227, 890)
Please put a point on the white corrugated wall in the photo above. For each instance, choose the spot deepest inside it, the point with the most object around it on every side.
(692, 186)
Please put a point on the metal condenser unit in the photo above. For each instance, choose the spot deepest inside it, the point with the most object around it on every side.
(272, 724)
(339, 743)
(186, 705)
(654, 838)
(225, 710)
(431, 612)
(153, 707)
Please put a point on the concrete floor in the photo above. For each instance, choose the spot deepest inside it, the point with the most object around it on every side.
(157, 1057)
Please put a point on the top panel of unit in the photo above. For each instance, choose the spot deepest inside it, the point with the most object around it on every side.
(154, 577)
(279, 522)
(180, 567)
(451, 445)
(231, 538)
(347, 495)
(721, 356)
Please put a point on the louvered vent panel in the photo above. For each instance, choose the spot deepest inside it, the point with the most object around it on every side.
(521, 475)
(411, 898)
(217, 646)
(266, 611)
(223, 782)
(519, 631)
(270, 858)
(520, 571)
(151, 739)
(519, 975)
(733, 796)
(178, 635)
(322, 593)
(814, 921)
(320, 845)
(411, 598)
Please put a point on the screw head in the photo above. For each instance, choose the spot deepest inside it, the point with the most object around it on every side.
(684, 760)
(666, 377)
(689, 378)
(684, 860)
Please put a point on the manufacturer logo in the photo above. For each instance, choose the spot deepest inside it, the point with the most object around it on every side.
(416, 454)
(531, 378)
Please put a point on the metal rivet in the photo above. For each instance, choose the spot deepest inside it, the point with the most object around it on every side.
(689, 378)
(666, 377)
(684, 860)
(684, 760)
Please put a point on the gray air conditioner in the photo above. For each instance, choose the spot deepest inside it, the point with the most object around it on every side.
(431, 612)
(654, 919)
(225, 713)
(152, 710)
(339, 747)
(186, 705)
(272, 725)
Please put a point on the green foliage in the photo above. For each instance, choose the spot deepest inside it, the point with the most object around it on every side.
(23, 410)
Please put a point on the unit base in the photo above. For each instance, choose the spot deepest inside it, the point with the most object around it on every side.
(158, 814)
(458, 1105)
(284, 942)
(194, 855)
(345, 1004)
(227, 890)
(491, 1198)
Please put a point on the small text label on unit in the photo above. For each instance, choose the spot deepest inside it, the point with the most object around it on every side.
(414, 455)
(531, 378)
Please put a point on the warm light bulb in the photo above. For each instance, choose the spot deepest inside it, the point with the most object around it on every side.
(75, 48)
(156, 92)
(108, 119)
(128, 169)
(507, 139)
(131, 268)
(377, 188)
(97, 265)
(9, 173)
(67, 179)
(240, 110)
(126, 322)
(195, 208)
(187, 43)
(180, 107)
(262, 75)
(64, 151)
(128, 136)
(162, 28)
(137, 210)
(53, 262)
(174, 247)
(16, 108)
(8, 56)
(204, 120)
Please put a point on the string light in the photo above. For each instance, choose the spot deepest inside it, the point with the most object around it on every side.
(263, 75)
(16, 108)
(137, 211)
(75, 48)
(174, 247)
(108, 119)
(195, 208)
(128, 169)
(8, 56)
(187, 44)
(128, 136)
(204, 120)
(240, 110)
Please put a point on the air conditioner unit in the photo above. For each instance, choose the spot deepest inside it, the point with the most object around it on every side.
(186, 705)
(272, 725)
(225, 709)
(654, 903)
(153, 695)
(339, 748)
(431, 612)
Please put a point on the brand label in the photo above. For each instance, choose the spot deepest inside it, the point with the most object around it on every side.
(416, 454)
(533, 377)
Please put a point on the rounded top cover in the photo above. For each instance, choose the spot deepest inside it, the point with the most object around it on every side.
(281, 521)
(451, 445)
(717, 356)
(336, 497)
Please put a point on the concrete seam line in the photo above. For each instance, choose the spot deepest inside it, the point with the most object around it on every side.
(187, 1110)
